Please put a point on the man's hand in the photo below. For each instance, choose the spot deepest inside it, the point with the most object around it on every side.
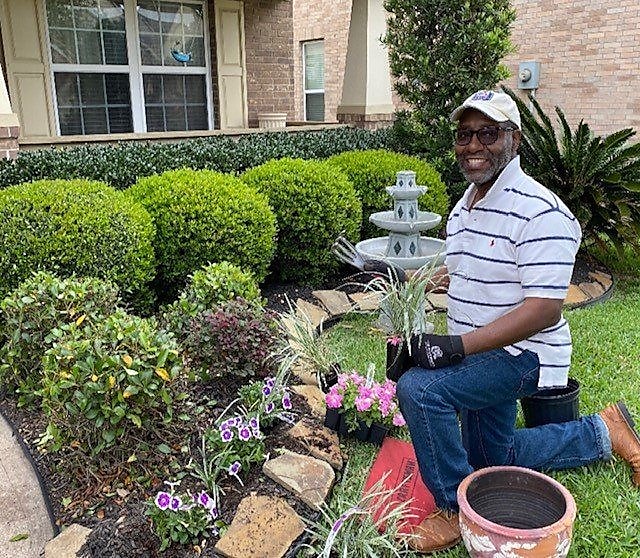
(436, 351)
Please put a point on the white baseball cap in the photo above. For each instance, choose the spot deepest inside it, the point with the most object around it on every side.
(497, 106)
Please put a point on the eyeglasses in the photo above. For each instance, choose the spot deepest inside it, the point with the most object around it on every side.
(486, 135)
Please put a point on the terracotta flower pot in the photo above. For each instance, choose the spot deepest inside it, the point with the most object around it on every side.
(513, 512)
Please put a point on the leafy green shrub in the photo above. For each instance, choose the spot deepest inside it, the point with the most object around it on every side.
(235, 339)
(103, 381)
(202, 217)
(75, 227)
(209, 286)
(597, 178)
(122, 165)
(40, 304)
(373, 171)
(435, 72)
(313, 202)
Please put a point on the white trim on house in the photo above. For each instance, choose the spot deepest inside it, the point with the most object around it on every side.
(135, 69)
(306, 91)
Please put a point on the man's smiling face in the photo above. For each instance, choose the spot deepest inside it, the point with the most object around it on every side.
(481, 164)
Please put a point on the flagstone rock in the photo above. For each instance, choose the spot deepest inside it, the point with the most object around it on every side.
(263, 527)
(367, 301)
(575, 295)
(594, 290)
(336, 302)
(313, 396)
(603, 278)
(314, 313)
(321, 442)
(308, 478)
(68, 543)
(438, 300)
(306, 373)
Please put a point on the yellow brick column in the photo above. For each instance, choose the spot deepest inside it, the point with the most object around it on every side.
(366, 92)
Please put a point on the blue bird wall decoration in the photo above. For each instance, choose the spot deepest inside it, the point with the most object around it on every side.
(179, 55)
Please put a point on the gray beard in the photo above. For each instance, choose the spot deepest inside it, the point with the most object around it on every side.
(499, 164)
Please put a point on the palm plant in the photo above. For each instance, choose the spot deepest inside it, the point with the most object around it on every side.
(598, 178)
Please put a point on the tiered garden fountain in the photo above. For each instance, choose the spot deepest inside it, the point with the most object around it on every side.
(404, 247)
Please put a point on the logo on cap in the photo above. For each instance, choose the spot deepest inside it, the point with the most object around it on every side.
(482, 96)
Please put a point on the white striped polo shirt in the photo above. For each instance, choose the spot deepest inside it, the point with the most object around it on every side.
(519, 241)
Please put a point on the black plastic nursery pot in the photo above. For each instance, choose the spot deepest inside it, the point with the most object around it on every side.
(398, 360)
(549, 406)
(373, 434)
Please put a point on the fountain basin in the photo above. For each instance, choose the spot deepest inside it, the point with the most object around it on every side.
(405, 192)
(386, 220)
(431, 250)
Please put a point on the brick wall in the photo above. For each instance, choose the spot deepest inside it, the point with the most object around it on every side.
(589, 54)
(269, 53)
(8, 141)
(327, 20)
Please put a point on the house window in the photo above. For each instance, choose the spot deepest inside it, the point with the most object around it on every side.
(313, 70)
(130, 65)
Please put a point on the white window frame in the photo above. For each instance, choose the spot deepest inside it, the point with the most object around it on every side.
(135, 69)
(306, 91)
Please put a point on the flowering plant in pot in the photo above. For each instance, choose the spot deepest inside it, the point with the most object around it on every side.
(404, 311)
(358, 404)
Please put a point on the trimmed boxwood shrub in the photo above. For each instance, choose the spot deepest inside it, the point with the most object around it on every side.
(122, 165)
(205, 216)
(75, 227)
(39, 305)
(373, 171)
(314, 202)
(207, 288)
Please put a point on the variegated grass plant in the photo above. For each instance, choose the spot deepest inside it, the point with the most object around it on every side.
(352, 531)
(306, 346)
(405, 305)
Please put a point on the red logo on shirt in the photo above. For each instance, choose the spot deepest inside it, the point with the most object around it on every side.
(493, 241)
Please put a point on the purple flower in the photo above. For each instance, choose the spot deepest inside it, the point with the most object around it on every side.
(163, 499)
(269, 407)
(213, 512)
(266, 390)
(253, 423)
(286, 402)
(204, 499)
(234, 468)
(244, 433)
(176, 503)
(226, 435)
(269, 382)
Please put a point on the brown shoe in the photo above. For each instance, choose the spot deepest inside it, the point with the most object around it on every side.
(439, 531)
(624, 439)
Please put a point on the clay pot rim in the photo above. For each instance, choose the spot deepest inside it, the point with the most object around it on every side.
(466, 509)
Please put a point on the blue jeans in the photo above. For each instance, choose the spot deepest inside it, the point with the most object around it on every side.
(483, 391)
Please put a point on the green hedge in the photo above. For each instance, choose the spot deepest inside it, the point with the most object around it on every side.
(75, 227)
(205, 216)
(314, 202)
(373, 171)
(122, 165)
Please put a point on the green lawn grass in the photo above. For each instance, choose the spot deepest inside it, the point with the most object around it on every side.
(606, 362)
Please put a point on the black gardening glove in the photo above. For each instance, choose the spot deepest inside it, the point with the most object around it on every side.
(379, 267)
(436, 351)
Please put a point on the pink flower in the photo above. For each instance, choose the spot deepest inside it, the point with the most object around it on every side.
(395, 340)
(363, 403)
(333, 400)
(398, 420)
